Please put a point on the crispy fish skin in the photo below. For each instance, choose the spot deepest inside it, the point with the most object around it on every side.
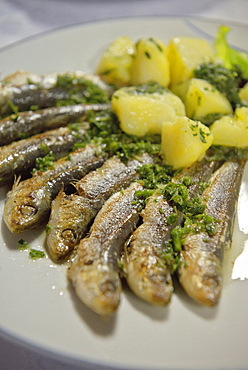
(94, 271)
(71, 214)
(69, 218)
(201, 272)
(25, 90)
(147, 273)
(19, 157)
(28, 204)
(25, 124)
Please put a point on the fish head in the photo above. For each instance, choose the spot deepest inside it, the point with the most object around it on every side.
(25, 209)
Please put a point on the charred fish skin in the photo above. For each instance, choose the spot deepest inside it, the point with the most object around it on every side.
(28, 204)
(201, 271)
(146, 271)
(44, 91)
(20, 157)
(72, 214)
(148, 274)
(94, 271)
(25, 124)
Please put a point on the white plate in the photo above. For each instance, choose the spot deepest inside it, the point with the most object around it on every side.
(37, 306)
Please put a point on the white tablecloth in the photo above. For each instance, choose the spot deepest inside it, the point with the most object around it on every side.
(24, 18)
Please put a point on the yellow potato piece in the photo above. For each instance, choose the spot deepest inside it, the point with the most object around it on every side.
(243, 93)
(115, 64)
(232, 130)
(150, 63)
(184, 142)
(202, 99)
(142, 114)
(185, 54)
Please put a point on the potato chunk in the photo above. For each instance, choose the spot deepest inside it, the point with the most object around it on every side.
(150, 63)
(142, 110)
(243, 93)
(232, 130)
(184, 141)
(185, 54)
(114, 66)
(203, 99)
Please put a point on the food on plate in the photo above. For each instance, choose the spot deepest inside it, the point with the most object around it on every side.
(142, 109)
(185, 54)
(202, 99)
(231, 130)
(21, 125)
(19, 93)
(243, 94)
(150, 63)
(142, 181)
(115, 64)
(150, 258)
(184, 142)
(202, 253)
(72, 214)
(94, 271)
(19, 157)
(28, 203)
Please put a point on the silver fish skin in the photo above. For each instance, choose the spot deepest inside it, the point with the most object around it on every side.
(24, 124)
(28, 204)
(94, 271)
(19, 157)
(147, 273)
(25, 90)
(201, 271)
(71, 214)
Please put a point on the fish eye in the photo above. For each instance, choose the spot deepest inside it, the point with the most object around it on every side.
(28, 210)
(68, 235)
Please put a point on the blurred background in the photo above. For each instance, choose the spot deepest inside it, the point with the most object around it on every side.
(24, 18)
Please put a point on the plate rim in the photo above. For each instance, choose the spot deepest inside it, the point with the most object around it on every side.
(45, 33)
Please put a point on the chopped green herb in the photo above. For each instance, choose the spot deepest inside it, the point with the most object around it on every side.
(155, 43)
(48, 228)
(203, 135)
(34, 254)
(23, 245)
(44, 163)
(148, 55)
(13, 107)
(225, 80)
(80, 91)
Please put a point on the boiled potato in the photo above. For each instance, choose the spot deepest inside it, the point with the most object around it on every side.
(185, 54)
(202, 99)
(184, 141)
(232, 130)
(142, 112)
(150, 63)
(114, 66)
(243, 93)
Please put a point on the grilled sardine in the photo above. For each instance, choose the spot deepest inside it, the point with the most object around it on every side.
(24, 124)
(19, 157)
(201, 271)
(72, 214)
(28, 203)
(94, 271)
(21, 91)
(148, 273)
